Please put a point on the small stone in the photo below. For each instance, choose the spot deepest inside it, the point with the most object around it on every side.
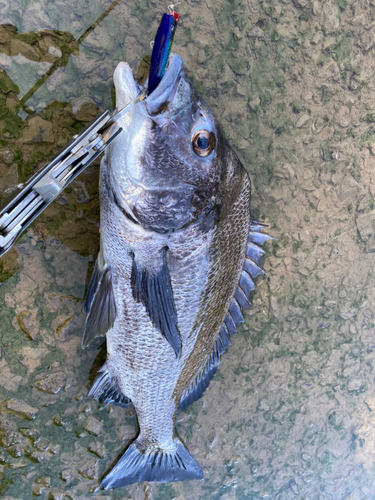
(89, 470)
(51, 383)
(354, 495)
(21, 408)
(41, 444)
(66, 475)
(87, 112)
(38, 490)
(212, 440)
(370, 401)
(6, 155)
(29, 433)
(354, 384)
(365, 225)
(86, 408)
(38, 130)
(98, 449)
(254, 103)
(54, 51)
(61, 200)
(305, 118)
(57, 495)
(64, 327)
(17, 465)
(45, 481)
(93, 426)
(27, 321)
(39, 456)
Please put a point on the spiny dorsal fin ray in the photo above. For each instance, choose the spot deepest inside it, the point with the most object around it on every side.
(102, 313)
(195, 390)
(154, 291)
(240, 301)
(223, 337)
(246, 283)
(235, 312)
(259, 238)
(241, 298)
(254, 252)
(251, 268)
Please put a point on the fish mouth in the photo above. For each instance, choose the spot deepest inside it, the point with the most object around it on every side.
(157, 102)
(155, 105)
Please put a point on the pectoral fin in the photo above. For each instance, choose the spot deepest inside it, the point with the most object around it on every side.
(154, 291)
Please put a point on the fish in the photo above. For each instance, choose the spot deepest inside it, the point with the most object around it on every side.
(178, 257)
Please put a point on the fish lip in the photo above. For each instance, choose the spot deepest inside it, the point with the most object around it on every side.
(157, 102)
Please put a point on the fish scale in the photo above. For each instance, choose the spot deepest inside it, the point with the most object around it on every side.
(174, 271)
(144, 343)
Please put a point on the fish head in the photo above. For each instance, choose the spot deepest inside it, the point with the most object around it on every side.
(168, 165)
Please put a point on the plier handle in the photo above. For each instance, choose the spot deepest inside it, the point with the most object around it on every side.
(44, 186)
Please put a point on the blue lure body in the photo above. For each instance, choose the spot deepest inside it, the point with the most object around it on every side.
(161, 49)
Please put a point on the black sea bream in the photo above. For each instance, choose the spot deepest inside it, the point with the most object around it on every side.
(176, 265)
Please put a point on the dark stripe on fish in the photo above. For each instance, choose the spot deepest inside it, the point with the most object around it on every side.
(155, 293)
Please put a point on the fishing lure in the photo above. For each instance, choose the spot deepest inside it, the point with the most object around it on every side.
(162, 48)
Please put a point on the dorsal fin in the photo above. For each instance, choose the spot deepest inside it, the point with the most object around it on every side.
(155, 293)
(234, 316)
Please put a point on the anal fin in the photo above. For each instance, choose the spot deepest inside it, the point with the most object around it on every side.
(105, 390)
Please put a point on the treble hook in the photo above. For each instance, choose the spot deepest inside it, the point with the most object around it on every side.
(170, 7)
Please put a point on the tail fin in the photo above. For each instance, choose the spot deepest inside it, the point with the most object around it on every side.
(162, 466)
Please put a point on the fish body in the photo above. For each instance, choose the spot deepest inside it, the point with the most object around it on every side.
(174, 270)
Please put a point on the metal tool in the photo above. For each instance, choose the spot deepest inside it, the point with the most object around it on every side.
(44, 186)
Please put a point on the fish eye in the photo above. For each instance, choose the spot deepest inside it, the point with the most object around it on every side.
(203, 142)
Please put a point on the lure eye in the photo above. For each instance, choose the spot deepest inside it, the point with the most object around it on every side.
(203, 142)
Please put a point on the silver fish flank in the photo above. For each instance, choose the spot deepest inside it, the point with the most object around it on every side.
(176, 265)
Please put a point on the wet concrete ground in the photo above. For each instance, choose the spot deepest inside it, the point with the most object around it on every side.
(291, 412)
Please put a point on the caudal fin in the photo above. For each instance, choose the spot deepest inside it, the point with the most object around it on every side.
(161, 466)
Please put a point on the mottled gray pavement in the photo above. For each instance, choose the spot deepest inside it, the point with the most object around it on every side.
(291, 411)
